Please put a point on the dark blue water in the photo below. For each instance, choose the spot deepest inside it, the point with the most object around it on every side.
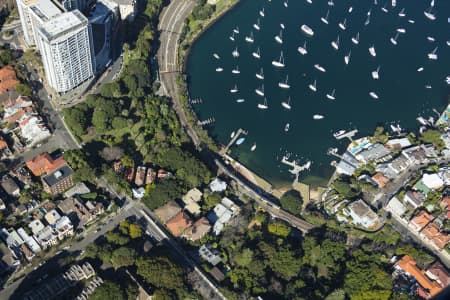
(401, 88)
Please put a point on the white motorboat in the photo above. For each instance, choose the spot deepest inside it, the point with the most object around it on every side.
(234, 89)
(350, 9)
(339, 133)
(307, 30)
(216, 56)
(428, 86)
(372, 51)
(394, 39)
(236, 70)
(401, 30)
(285, 3)
(282, 26)
(320, 68)
(402, 13)
(375, 2)
(394, 3)
(448, 43)
(249, 38)
(343, 24)
(432, 3)
(286, 127)
(355, 39)
(309, 1)
(257, 54)
(447, 79)
(347, 57)
(302, 49)
(284, 85)
(287, 104)
(261, 12)
(219, 69)
(263, 105)
(367, 22)
(240, 141)
(373, 95)
(260, 75)
(235, 52)
(375, 74)
(369, 12)
(325, 19)
(331, 96)
(411, 21)
(279, 38)
(240, 100)
(429, 14)
(253, 148)
(280, 62)
(257, 26)
(260, 91)
(335, 44)
(384, 8)
(232, 135)
(431, 39)
(313, 86)
(433, 55)
(330, 3)
(318, 117)
(236, 30)
(420, 69)
(232, 37)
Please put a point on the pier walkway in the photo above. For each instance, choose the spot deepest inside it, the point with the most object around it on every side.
(224, 150)
(348, 135)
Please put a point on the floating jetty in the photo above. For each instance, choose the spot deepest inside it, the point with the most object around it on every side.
(348, 135)
(295, 167)
(240, 131)
(206, 122)
(196, 101)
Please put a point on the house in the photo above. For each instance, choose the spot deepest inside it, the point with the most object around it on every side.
(29, 240)
(198, 230)
(399, 164)
(151, 176)
(217, 274)
(127, 9)
(8, 261)
(26, 251)
(78, 189)
(95, 208)
(396, 207)
(10, 186)
(52, 216)
(8, 80)
(2, 205)
(414, 198)
(421, 220)
(63, 228)
(421, 187)
(36, 226)
(222, 214)
(44, 164)
(71, 206)
(407, 265)
(140, 176)
(348, 164)
(433, 233)
(376, 152)
(415, 155)
(167, 211)
(432, 181)
(179, 224)
(398, 143)
(438, 273)
(217, 185)
(361, 214)
(58, 181)
(46, 237)
(211, 256)
(445, 204)
(380, 179)
(191, 200)
(14, 241)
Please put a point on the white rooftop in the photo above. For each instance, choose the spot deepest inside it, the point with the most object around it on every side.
(217, 185)
(36, 226)
(432, 181)
(59, 25)
(45, 10)
(396, 207)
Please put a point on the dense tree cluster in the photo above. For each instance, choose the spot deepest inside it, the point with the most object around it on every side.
(292, 202)
(113, 291)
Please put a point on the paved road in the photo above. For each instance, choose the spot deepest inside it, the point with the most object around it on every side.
(274, 210)
(171, 23)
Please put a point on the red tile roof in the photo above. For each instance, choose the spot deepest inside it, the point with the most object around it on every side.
(380, 179)
(437, 272)
(44, 164)
(433, 233)
(8, 79)
(421, 220)
(178, 224)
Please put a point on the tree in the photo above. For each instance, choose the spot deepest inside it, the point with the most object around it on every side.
(434, 137)
(212, 200)
(23, 89)
(345, 189)
(119, 123)
(100, 120)
(380, 136)
(111, 89)
(282, 261)
(122, 257)
(292, 202)
(76, 120)
(244, 258)
(115, 238)
(167, 190)
(135, 231)
(107, 290)
(6, 57)
(278, 228)
(160, 272)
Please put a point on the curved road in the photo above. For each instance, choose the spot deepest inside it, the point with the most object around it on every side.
(170, 25)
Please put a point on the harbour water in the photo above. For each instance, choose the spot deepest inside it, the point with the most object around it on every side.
(401, 89)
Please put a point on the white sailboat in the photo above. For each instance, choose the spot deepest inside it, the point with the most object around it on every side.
(232, 135)
(263, 105)
(309, 1)
(325, 19)
(261, 12)
(402, 14)
(307, 30)
(394, 3)
(257, 54)
(394, 39)
(343, 24)
(369, 12)
(257, 26)
(216, 56)
(347, 57)
(330, 3)
(284, 85)
(335, 44)
(287, 104)
(279, 38)
(240, 100)
(429, 14)
(236, 70)
(234, 89)
(253, 148)
(219, 69)
(235, 52)
(232, 37)
(320, 68)
(350, 9)
(282, 26)
(286, 127)
(375, 74)
(431, 39)
(280, 62)
(411, 21)
(420, 69)
(373, 95)
(384, 8)
(355, 39)
(339, 133)
(433, 55)
(401, 30)
(367, 22)
(302, 49)
(249, 38)
(372, 51)
(260, 75)
(318, 117)
(260, 91)
(285, 3)
(313, 86)
(331, 96)
(236, 30)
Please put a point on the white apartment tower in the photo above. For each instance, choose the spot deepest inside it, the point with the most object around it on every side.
(65, 43)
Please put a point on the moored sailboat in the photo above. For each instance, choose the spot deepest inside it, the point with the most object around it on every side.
(375, 74)
(257, 54)
(302, 49)
(355, 39)
(433, 55)
(331, 96)
(335, 44)
(284, 85)
(287, 104)
(325, 19)
(260, 75)
(260, 91)
(280, 62)
(313, 86)
(263, 105)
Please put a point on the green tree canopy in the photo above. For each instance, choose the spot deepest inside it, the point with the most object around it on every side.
(160, 272)
(122, 257)
(108, 290)
(23, 89)
(292, 202)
